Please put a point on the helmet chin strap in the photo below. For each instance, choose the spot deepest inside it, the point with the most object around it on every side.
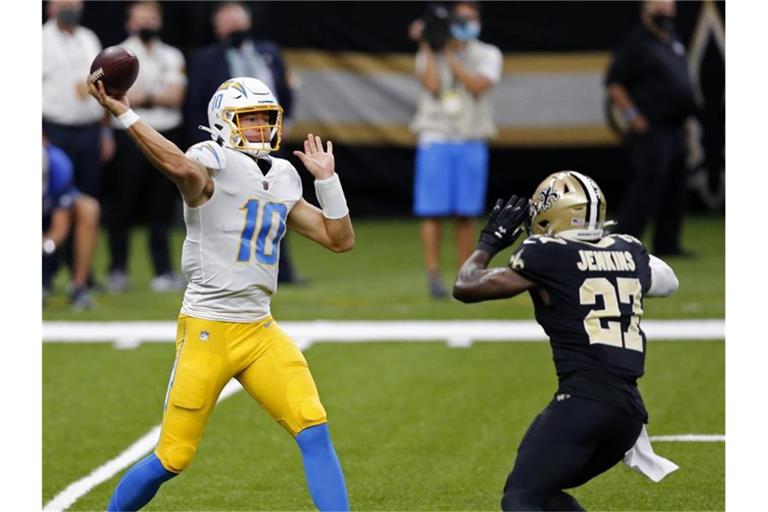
(216, 136)
(206, 129)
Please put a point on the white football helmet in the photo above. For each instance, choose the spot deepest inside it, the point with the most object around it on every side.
(238, 96)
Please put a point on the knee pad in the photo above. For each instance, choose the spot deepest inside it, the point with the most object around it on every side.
(304, 402)
(175, 456)
(312, 411)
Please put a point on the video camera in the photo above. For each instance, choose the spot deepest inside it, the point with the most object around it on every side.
(437, 26)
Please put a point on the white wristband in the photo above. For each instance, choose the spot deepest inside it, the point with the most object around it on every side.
(331, 197)
(128, 118)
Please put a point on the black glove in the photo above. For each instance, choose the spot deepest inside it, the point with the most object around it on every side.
(504, 225)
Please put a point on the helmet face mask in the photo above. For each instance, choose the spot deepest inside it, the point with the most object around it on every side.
(239, 96)
(568, 204)
(273, 127)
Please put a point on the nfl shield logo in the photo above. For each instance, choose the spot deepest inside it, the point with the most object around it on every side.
(204, 335)
(265, 184)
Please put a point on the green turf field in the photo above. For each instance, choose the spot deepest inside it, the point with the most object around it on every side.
(382, 278)
(416, 426)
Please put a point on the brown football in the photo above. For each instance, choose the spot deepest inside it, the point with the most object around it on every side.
(117, 68)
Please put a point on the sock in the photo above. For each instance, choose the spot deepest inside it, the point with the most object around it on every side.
(139, 484)
(321, 465)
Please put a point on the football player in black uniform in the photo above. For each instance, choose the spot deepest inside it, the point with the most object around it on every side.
(587, 289)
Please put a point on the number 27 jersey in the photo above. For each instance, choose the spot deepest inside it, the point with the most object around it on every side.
(231, 252)
(589, 301)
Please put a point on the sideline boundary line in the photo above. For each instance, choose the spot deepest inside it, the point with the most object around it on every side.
(457, 333)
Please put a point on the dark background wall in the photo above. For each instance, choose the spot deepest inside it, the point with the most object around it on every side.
(378, 178)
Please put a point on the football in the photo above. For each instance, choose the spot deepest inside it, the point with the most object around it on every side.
(117, 68)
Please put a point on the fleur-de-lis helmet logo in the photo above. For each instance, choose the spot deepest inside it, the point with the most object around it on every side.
(547, 197)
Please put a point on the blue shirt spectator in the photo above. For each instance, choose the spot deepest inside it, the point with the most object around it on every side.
(58, 186)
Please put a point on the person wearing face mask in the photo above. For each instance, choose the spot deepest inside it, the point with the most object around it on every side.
(72, 120)
(649, 84)
(237, 53)
(157, 96)
(453, 123)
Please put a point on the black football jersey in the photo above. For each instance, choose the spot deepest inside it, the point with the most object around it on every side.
(589, 300)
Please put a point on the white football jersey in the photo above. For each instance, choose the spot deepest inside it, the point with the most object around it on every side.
(230, 255)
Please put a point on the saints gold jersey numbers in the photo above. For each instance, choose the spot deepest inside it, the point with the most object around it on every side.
(626, 291)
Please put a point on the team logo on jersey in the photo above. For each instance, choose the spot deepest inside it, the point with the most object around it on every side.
(516, 261)
(265, 184)
(204, 335)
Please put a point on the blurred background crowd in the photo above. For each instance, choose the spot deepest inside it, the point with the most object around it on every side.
(435, 110)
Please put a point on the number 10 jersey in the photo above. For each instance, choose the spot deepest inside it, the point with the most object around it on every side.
(231, 252)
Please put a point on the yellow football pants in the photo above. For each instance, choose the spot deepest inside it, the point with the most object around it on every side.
(259, 355)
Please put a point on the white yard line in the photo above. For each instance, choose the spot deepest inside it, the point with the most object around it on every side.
(457, 333)
(691, 438)
(136, 451)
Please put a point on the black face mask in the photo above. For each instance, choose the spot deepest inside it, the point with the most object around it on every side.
(68, 17)
(237, 39)
(147, 34)
(664, 22)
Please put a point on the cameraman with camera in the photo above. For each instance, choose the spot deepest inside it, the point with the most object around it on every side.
(453, 122)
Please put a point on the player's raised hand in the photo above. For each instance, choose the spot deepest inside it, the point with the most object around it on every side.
(116, 106)
(504, 224)
(318, 161)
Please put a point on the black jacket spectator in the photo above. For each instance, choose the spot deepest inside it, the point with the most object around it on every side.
(209, 68)
(655, 73)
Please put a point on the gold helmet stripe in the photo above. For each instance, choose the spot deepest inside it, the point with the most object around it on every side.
(593, 207)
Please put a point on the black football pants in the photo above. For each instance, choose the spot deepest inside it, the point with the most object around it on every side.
(133, 182)
(570, 442)
(657, 193)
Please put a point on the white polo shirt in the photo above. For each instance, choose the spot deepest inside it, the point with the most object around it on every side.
(455, 114)
(159, 66)
(66, 63)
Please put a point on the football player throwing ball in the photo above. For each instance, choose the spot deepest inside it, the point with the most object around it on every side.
(238, 202)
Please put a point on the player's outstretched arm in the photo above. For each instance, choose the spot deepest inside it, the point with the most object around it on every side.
(309, 221)
(331, 227)
(190, 177)
(475, 281)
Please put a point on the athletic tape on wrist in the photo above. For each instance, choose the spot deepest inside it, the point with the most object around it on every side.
(331, 197)
(128, 118)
